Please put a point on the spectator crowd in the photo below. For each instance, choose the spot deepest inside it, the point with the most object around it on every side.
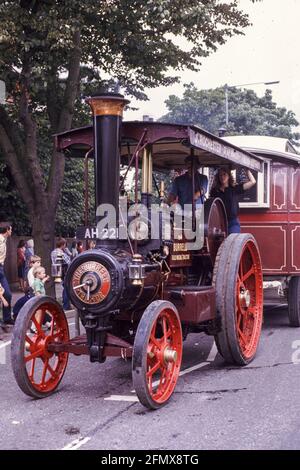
(32, 276)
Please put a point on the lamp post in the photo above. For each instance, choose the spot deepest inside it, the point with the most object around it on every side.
(226, 88)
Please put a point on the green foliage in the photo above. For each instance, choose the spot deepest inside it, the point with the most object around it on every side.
(70, 213)
(12, 208)
(133, 41)
(248, 113)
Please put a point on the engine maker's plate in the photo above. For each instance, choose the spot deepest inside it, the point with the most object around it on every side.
(91, 282)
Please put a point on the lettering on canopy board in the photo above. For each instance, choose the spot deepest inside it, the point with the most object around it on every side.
(216, 147)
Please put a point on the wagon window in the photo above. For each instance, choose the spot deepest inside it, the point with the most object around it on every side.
(251, 195)
(259, 195)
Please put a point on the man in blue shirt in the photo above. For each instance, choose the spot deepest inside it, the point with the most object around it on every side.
(181, 188)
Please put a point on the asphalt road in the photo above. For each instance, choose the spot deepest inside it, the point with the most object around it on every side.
(214, 406)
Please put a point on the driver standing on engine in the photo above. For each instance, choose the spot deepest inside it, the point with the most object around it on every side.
(181, 189)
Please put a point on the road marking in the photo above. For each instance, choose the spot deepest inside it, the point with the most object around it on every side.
(77, 443)
(192, 368)
(3, 353)
(132, 398)
(212, 354)
(210, 358)
(74, 445)
(5, 344)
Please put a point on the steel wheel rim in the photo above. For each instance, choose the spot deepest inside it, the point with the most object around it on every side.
(44, 368)
(164, 341)
(249, 300)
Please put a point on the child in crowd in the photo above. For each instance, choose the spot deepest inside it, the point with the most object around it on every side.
(36, 287)
(35, 262)
(40, 278)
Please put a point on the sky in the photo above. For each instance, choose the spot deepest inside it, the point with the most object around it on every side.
(268, 51)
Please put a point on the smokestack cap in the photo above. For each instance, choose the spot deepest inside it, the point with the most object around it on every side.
(111, 104)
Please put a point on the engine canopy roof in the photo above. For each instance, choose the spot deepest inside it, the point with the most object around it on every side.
(171, 144)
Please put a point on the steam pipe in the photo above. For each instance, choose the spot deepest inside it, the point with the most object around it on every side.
(86, 186)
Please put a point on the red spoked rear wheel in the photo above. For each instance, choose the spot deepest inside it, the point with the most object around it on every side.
(37, 370)
(249, 308)
(157, 354)
(239, 298)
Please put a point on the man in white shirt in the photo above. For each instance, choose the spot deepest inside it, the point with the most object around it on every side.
(5, 232)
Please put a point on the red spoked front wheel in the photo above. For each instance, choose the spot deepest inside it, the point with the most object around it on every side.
(238, 281)
(157, 354)
(37, 370)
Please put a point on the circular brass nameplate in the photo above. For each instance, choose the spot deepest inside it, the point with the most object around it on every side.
(91, 282)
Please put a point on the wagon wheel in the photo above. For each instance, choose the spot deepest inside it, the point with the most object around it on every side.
(294, 301)
(157, 354)
(239, 298)
(38, 371)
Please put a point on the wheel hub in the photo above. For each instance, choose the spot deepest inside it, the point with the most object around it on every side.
(42, 343)
(170, 355)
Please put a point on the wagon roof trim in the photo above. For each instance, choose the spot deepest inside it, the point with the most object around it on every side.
(171, 144)
(268, 146)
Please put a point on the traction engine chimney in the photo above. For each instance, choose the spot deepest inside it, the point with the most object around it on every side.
(107, 111)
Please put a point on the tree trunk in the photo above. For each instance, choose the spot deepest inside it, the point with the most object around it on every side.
(40, 194)
(43, 233)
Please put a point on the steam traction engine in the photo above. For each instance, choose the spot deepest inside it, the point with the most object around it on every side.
(139, 297)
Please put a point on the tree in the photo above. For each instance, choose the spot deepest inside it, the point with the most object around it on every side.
(248, 113)
(70, 211)
(51, 51)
